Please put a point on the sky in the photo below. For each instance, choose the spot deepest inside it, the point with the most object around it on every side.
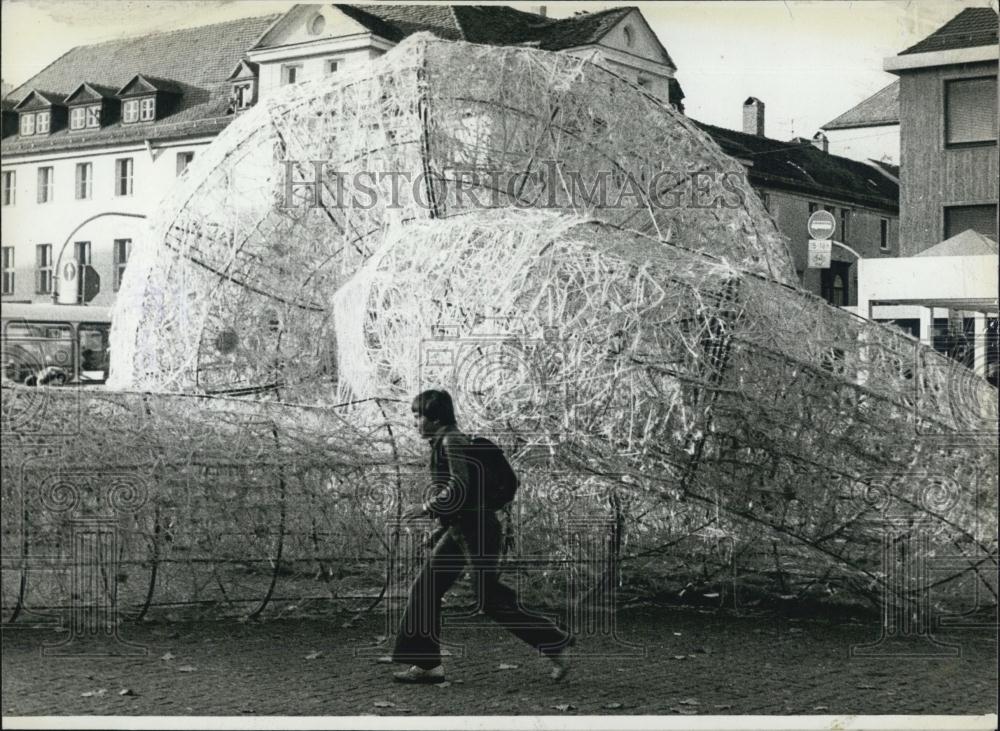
(808, 61)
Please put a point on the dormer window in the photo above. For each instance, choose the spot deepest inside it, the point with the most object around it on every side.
(242, 95)
(147, 109)
(90, 105)
(41, 112)
(88, 117)
(147, 99)
(27, 124)
(130, 111)
(244, 86)
(139, 110)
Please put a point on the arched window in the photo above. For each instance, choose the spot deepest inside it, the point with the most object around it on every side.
(839, 290)
(629, 36)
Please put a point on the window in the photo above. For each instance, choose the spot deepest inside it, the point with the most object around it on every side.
(332, 66)
(629, 35)
(183, 160)
(84, 179)
(44, 184)
(42, 123)
(9, 187)
(94, 349)
(844, 216)
(812, 208)
(290, 73)
(94, 116)
(883, 234)
(8, 270)
(43, 271)
(130, 111)
(242, 95)
(77, 118)
(970, 111)
(81, 252)
(122, 251)
(981, 218)
(123, 176)
(147, 109)
(27, 124)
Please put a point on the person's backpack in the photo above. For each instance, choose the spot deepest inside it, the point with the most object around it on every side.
(499, 479)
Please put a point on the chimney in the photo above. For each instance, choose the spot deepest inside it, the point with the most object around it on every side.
(753, 116)
(542, 10)
(821, 142)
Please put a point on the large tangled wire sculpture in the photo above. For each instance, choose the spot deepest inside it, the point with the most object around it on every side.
(589, 275)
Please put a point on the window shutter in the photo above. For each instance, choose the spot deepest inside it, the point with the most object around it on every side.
(971, 110)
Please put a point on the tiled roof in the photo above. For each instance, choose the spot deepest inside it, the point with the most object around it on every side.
(395, 22)
(489, 24)
(801, 167)
(888, 167)
(196, 60)
(881, 108)
(972, 27)
(581, 30)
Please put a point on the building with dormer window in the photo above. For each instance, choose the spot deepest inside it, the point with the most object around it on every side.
(40, 113)
(91, 106)
(96, 139)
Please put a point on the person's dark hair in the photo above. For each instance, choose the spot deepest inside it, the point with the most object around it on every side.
(436, 405)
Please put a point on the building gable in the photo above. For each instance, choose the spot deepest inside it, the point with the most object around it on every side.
(87, 93)
(633, 35)
(142, 85)
(36, 100)
(244, 71)
(310, 23)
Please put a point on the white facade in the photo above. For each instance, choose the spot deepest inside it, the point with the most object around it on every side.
(65, 219)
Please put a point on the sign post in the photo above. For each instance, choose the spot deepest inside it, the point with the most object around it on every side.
(819, 253)
(821, 226)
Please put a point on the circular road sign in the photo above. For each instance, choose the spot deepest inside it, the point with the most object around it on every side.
(821, 225)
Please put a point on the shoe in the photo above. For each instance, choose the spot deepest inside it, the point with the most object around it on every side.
(420, 675)
(560, 660)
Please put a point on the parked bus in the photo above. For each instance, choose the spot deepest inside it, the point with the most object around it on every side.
(48, 344)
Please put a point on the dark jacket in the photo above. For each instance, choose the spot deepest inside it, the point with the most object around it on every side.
(455, 474)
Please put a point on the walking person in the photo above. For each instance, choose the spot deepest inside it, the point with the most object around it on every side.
(471, 534)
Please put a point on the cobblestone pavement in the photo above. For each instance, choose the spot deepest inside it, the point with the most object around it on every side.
(695, 662)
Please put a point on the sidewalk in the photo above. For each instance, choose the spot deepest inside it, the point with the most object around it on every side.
(696, 662)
